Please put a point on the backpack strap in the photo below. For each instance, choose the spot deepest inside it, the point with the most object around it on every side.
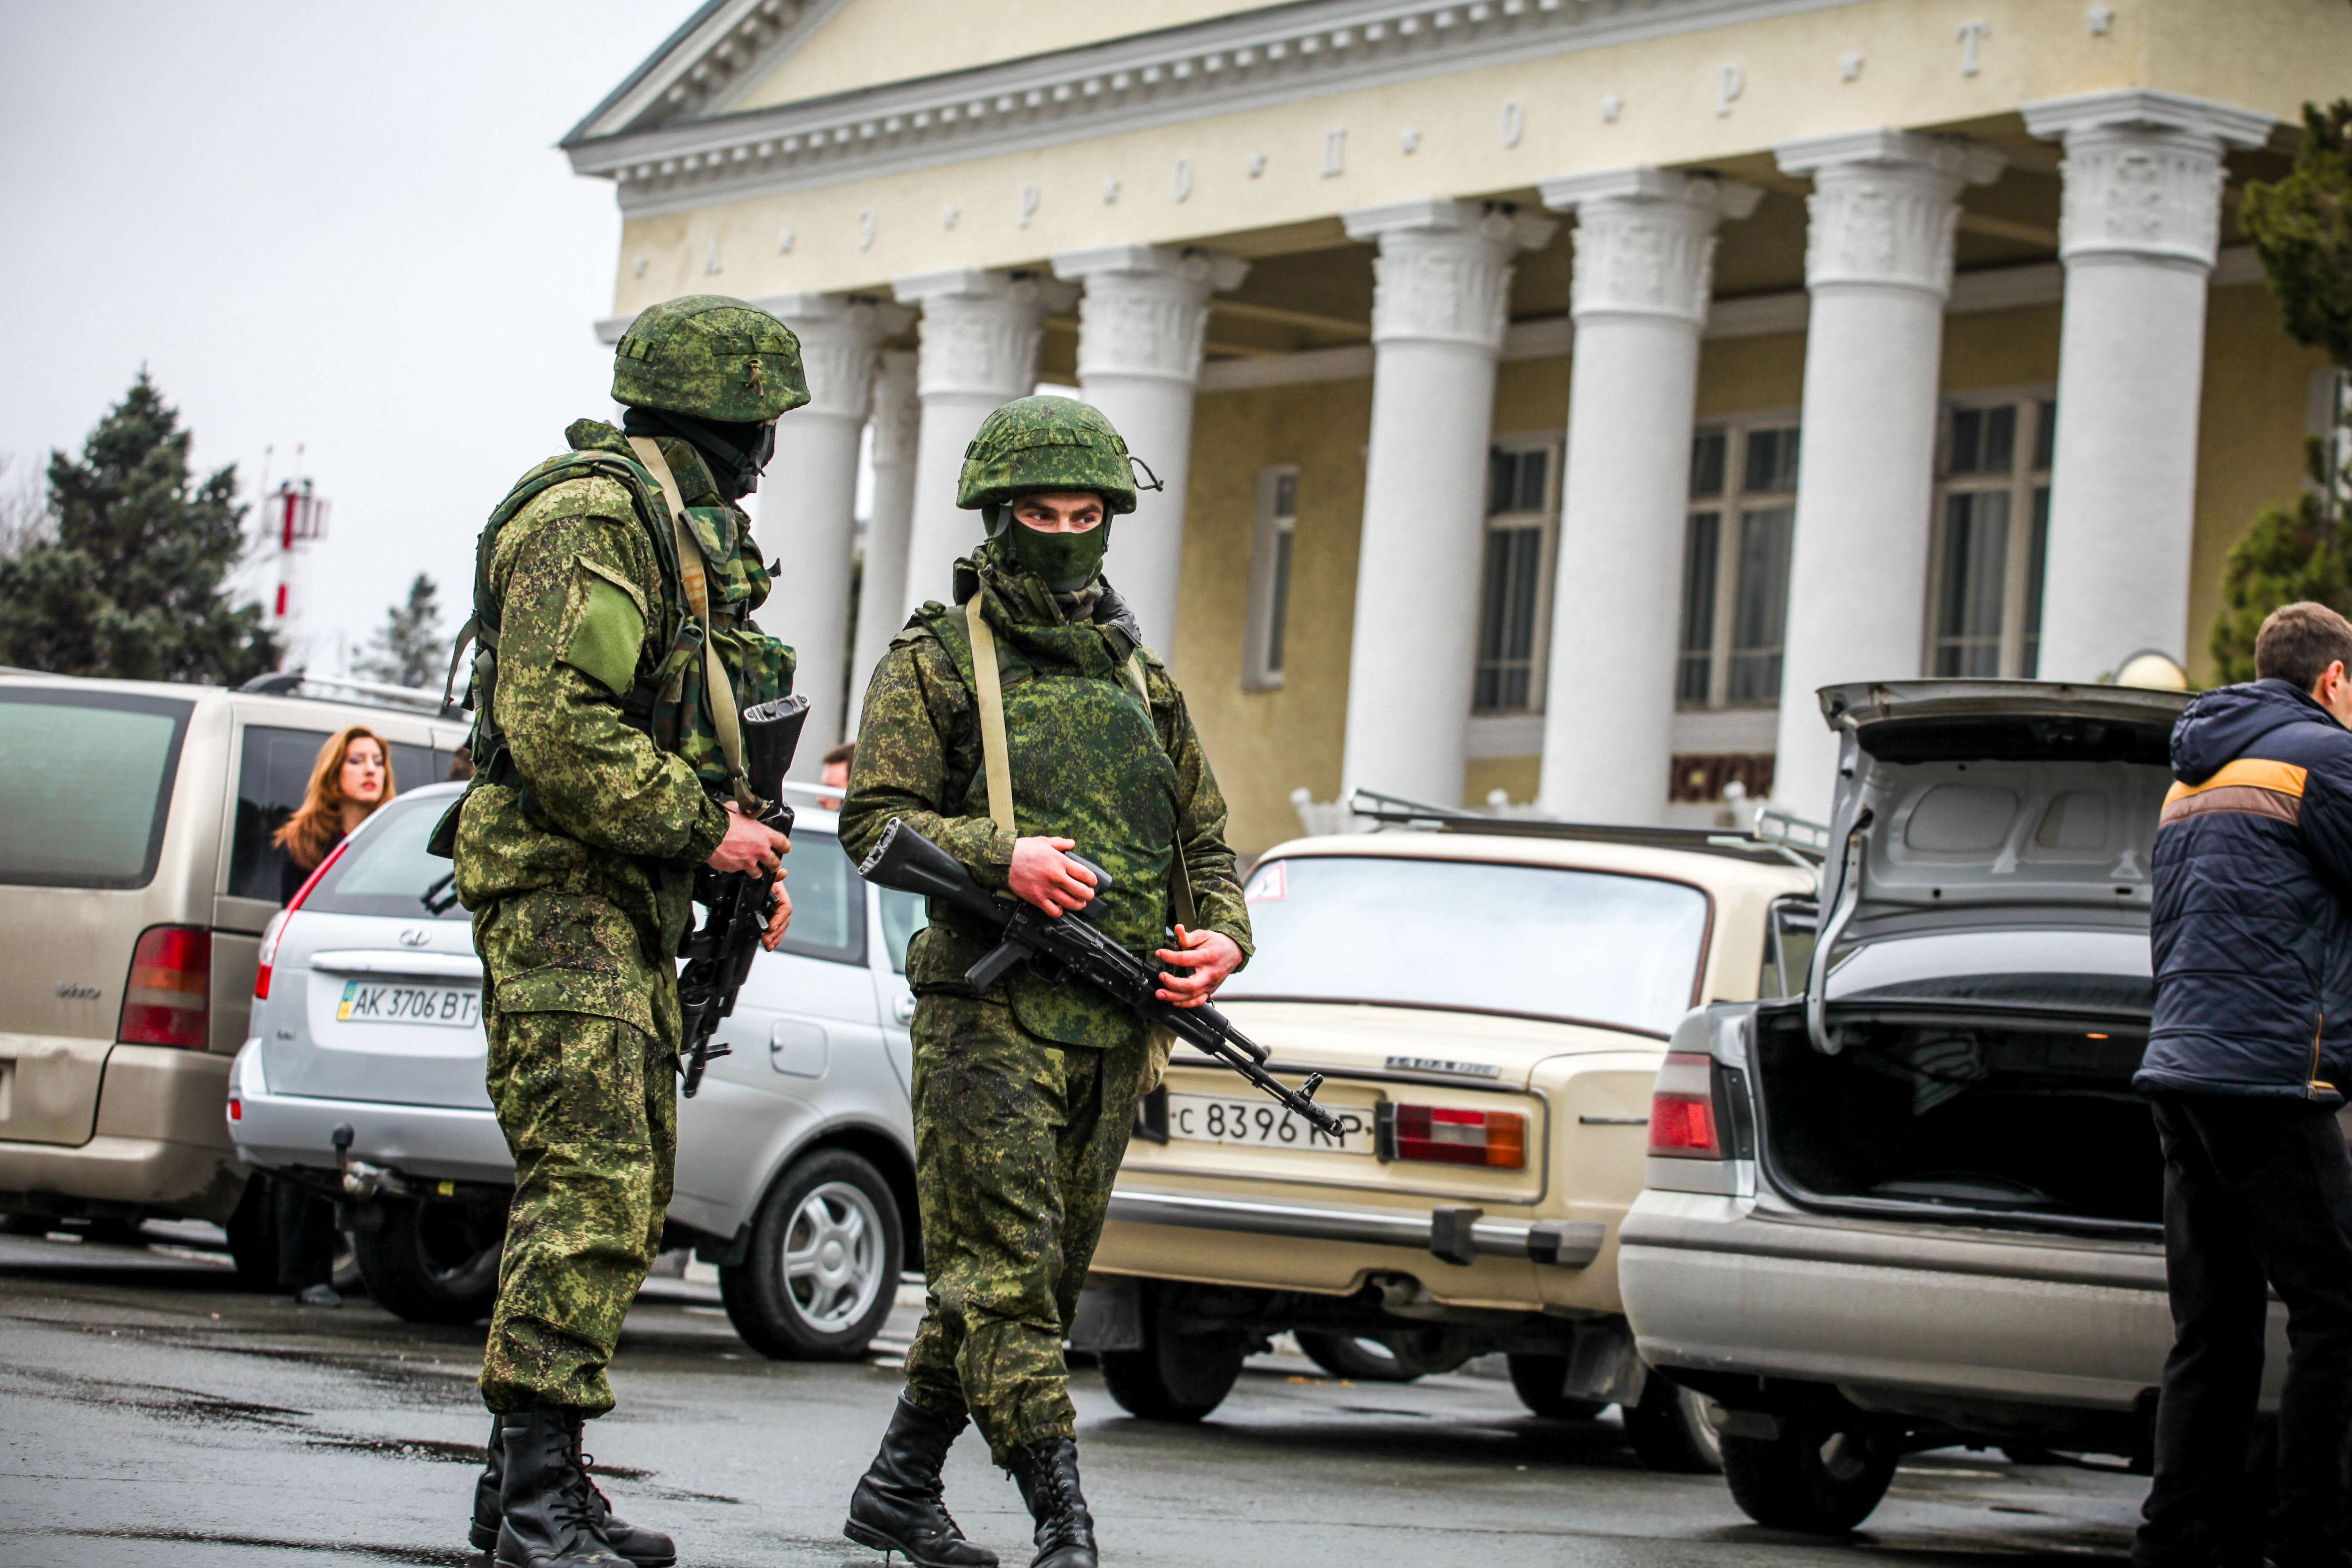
(719, 691)
(988, 688)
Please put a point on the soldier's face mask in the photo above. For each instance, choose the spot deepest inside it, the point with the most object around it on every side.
(1063, 556)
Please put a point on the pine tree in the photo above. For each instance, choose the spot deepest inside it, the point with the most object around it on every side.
(408, 648)
(2301, 228)
(130, 585)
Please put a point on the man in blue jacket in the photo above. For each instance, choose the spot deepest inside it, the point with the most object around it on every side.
(2251, 936)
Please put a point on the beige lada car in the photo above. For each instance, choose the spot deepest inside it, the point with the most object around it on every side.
(1489, 1001)
(136, 875)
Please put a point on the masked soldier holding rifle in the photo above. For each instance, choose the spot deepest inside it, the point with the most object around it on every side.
(617, 676)
(1028, 721)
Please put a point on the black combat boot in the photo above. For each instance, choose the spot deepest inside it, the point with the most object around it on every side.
(899, 1504)
(1046, 1471)
(547, 1512)
(645, 1548)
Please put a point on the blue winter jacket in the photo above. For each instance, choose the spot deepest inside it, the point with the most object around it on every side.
(2251, 936)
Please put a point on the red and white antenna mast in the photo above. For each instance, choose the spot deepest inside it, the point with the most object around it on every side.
(293, 517)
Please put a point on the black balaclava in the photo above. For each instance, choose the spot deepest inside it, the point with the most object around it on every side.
(733, 453)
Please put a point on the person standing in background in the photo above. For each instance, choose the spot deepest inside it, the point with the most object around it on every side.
(352, 778)
(836, 776)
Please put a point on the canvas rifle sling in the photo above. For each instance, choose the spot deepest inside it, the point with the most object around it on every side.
(718, 690)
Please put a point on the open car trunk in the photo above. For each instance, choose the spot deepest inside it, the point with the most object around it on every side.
(1980, 996)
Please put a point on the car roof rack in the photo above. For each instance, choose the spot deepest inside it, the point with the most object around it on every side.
(348, 688)
(1776, 832)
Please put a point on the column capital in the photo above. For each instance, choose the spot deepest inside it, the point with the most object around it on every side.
(1645, 238)
(1145, 309)
(1443, 272)
(838, 334)
(2143, 172)
(1885, 205)
(980, 328)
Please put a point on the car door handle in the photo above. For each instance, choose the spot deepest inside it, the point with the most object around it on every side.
(902, 1011)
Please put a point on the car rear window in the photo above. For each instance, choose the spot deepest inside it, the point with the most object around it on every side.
(387, 869)
(86, 785)
(1535, 941)
(273, 775)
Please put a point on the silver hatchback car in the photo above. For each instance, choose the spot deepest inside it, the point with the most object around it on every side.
(364, 1080)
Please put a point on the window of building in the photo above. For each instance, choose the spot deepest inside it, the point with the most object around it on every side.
(1513, 579)
(1735, 603)
(1270, 569)
(1993, 529)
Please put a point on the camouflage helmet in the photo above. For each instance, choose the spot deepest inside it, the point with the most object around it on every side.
(1036, 443)
(709, 357)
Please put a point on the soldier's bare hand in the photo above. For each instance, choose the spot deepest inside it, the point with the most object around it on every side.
(750, 845)
(778, 917)
(1208, 957)
(1047, 878)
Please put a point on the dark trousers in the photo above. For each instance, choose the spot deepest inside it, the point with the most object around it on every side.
(306, 1238)
(2256, 1189)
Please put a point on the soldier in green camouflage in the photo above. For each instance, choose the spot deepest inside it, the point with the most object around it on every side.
(1023, 1095)
(599, 775)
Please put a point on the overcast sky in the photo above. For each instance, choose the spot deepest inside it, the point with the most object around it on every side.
(338, 225)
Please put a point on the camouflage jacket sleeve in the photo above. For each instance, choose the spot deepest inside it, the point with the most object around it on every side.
(573, 628)
(1200, 812)
(917, 751)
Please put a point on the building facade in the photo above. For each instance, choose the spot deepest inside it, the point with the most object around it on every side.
(1548, 394)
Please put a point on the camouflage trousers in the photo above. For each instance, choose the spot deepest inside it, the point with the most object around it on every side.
(589, 1106)
(1017, 1141)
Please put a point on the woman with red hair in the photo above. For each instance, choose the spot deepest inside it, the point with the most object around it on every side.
(352, 778)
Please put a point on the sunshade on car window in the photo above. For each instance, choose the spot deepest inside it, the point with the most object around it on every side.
(387, 869)
(1545, 941)
(86, 785)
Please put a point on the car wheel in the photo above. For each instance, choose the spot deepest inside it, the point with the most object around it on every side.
(821, 1273)
(1180, 1374)
(252, 1232)
(1536, 1380)
(1670, 1431)
(1821, 1476)
(1357, 1360)
(432, 1262)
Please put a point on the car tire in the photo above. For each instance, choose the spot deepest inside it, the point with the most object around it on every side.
(431, 1262)
(821, 1273)
(252, 1232)
(1354, 1359)
(1536, 1380)
(1670, 1432)
(1178, 1374)
(1821, 1476)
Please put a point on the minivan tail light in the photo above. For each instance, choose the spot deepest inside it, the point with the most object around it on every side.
(1496, 1139)
(276, 929)
(168, 998)
(1683, 1122)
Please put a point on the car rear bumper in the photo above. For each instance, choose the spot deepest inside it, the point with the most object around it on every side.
(157, 1145)
(432, 1142)
(1711, 1284)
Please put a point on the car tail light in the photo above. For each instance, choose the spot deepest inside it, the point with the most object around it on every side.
(168, 998)
(1454, 1137)
(235, 1109)
(277, 922)
(1683, 1122)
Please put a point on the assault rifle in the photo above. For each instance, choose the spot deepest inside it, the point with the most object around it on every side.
(1068, 947)
(735, 904)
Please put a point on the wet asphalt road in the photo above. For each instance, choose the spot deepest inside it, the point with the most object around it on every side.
(153, 1416)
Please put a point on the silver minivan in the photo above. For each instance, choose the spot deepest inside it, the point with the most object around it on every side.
(136, 875)
(364, 1080)
(1917, 1202)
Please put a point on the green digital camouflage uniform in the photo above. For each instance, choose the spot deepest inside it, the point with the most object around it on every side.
(579, 873)
(1023, 1096)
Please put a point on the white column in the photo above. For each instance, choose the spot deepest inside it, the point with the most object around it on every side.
(808, 508)
(882, 591)
(980, 335)
(2141, 218)
(1878, 262)
(1645, 254)
(1140, 325)
(1441, 301)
